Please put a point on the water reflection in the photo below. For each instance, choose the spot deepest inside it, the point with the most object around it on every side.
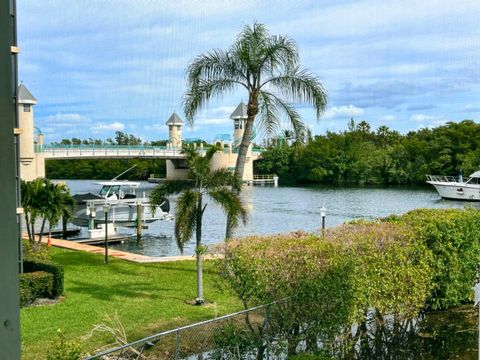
(450, 334)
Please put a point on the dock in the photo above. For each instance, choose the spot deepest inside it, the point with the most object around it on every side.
(123, 255)
(268, 179)
(156, 178)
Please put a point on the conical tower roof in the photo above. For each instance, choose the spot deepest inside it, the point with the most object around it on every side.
(240, 112)
(174, 120)
(25, 96)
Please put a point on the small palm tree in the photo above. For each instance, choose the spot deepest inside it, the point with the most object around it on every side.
(42, 199)
(267, 67)
(221, 186)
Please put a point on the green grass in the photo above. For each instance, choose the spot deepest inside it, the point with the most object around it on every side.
(147, 298)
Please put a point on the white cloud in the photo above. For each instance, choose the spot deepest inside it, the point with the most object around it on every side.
(66, 118)
(388, 118)
(422, 117)
(343, 111)
(101, 127)
(214, 121)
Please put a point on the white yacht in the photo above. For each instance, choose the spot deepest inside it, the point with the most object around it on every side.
(120, 200)
(450, 187)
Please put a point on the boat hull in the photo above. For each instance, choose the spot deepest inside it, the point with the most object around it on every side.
(121, 215)
(457, 190)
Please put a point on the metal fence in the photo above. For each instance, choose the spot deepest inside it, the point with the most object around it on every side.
(246, 334)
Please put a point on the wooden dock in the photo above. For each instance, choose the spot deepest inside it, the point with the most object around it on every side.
(123, 255)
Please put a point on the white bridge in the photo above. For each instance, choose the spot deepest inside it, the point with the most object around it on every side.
(61, 152)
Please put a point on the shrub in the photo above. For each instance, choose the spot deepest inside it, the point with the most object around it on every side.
(35, 285)
(331, 281)
(36, 251)
(453, 237)
(64, 349)
(55, 269)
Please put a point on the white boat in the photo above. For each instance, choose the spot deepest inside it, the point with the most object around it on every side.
(450, 187)
(121, 201)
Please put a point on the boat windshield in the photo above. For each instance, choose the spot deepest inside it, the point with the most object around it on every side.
(104, 190)
(108, 190)
(473, 180)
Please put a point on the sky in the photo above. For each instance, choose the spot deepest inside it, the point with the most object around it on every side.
(98, 66)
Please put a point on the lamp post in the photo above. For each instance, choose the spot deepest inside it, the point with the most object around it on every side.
(323, 214)
(106, 209)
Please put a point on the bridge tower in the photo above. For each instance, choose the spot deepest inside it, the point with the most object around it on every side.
(175, 130)
(31, 164)
(239, 117)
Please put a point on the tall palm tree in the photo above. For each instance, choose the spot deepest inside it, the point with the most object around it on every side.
(267, 67)
(221, 186)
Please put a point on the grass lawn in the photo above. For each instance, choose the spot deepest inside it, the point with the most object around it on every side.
(147, 298)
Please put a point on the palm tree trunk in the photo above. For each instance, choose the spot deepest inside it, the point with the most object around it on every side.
(32, 229)
(64, 226)
(199, 300)
(30, 237)
(252, 111)
(41, 230)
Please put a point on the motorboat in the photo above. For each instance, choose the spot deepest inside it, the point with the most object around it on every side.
(456, 188)
(116, 204)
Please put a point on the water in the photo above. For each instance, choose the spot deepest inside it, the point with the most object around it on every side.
(283, 209)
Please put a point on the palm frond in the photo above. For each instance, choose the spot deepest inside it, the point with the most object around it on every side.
(230, 202)
(214, 65)
(272, 109)
(300, 86)
(169, 187)
(268, 114)
(185, 217)
(202, 91)
(221, 178)
(280, 54)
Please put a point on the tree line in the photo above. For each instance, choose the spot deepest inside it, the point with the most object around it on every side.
(360, 155)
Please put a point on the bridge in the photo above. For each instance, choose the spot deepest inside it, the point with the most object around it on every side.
(64, 152)
(34, 152)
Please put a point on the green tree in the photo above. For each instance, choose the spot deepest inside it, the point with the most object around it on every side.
(267, 67)
(221, 186)
(45, 200)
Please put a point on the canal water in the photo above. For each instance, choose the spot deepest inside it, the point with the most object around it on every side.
(283, 209)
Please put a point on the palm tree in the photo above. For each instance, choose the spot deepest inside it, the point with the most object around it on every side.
(220, 185)
(267, 67)
(43, 199)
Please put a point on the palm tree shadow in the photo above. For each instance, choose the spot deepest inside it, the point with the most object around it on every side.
(124, 290)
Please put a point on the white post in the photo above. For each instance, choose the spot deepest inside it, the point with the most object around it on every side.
(275, 181)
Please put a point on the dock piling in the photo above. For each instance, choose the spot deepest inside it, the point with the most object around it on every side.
(139, 221)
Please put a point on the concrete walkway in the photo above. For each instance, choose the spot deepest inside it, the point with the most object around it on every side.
(71, 245)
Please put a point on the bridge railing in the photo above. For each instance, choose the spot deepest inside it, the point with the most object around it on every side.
(60, 150)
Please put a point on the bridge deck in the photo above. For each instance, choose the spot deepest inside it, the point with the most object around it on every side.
(115, 151)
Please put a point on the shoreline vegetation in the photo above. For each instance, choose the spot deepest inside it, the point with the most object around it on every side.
(356, 156)
(361, 272)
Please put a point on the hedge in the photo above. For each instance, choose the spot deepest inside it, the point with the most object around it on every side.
(55, 269)
(358, 272)
(453, 237)
(33, 285)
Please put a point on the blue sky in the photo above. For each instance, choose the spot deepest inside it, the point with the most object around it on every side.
(100, 66)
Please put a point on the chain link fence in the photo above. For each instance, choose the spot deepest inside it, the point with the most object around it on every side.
(247, 334)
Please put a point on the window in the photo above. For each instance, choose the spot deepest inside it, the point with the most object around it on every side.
(238, 124)
(179, 127)
(26, 107)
